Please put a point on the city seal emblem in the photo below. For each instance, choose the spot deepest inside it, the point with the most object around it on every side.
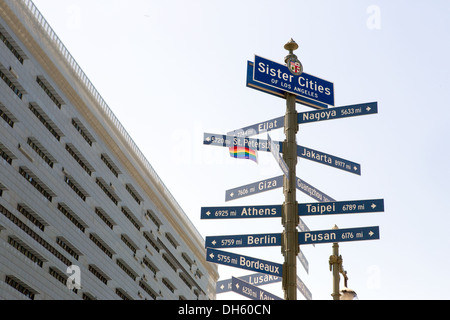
(295, 66)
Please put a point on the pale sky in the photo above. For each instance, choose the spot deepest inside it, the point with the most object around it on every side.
(172, 70)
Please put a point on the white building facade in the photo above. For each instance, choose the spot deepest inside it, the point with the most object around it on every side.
(83, 215)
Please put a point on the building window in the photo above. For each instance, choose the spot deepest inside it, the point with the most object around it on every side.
(36, 183)
(71, 216)
(128, 243)
(170, 263)
(34, 235)
(98, 274)
(82, 131)
(110, 164)
(23, 289)
(171, 240)
(11, 48)
(130, 217)
(58, 275)
(122, 294)
(40, 151)
(104, 217)
(87, 296)
(185, 281)
(147, 289)
(5, 156)
(187, 259)
(27, 213)
(44, 120)
(168, 285)
(82, 162)
(133, 193)
(150, 240)
(101, 245)
(125, 268)
(74, 185)
(48, 92)
(30, 254)
(150, 265)
(5, 116)
(152, 217)
(106, 191)
(68, 248)
(11, 85)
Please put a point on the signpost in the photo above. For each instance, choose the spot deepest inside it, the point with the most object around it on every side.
(241, 212)
(341, 207)
(250, 291)
(275, 150)
(311, 191)
(328, 160)
(339, 235)
(303, 289)
(231, 141)
(244, 241)
(254, 188)
(304, 209)
(251, 83)
(256, 279)
(295, 86)
(278, 76)
(243, 262)
(258, 128)
(338, 113)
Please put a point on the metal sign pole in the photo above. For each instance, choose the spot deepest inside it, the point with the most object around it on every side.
(290, 217)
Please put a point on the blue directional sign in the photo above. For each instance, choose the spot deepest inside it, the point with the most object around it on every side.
(258, 128)
(341, 207)
(275, 183)
(254, 188)
(241, 212)
(250, 291)
(278, 76)
(278, 92)
(337, 113)
(303, 289)
(328, 160)
(230, 141)
(275, 150)
(255, 279)
(339, 235)
(301, 257)
(311, 191)
(244, 241)
(244, 262)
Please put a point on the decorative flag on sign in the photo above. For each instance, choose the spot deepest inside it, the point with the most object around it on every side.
(243, 153)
